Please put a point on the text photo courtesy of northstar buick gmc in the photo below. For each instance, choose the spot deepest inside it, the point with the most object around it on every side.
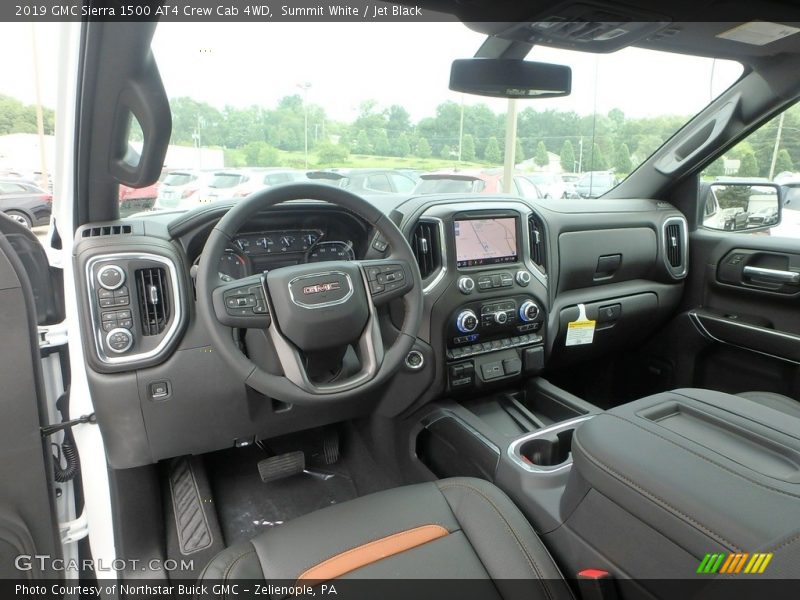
(328, 356)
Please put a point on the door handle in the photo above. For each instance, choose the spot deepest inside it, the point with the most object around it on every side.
(772, 275)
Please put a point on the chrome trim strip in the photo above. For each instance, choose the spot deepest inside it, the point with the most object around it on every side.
(342, 300)
(514, 449)
(99, 334)
(442, 252)
(684, 269)
(773, 275)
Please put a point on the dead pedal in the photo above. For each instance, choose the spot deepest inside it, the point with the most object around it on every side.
(281, 466)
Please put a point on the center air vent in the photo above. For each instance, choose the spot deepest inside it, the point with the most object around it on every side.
(675, 246)
(538, 243)
(154, 302)
(425, 242)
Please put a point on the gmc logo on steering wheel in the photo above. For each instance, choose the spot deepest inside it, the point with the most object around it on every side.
(321, 287)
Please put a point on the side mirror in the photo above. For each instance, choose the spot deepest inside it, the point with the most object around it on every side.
(743, 206)
(510, 78)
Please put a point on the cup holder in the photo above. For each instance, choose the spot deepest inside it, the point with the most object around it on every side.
(548, 449)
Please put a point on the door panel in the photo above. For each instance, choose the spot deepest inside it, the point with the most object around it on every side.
(747, 307)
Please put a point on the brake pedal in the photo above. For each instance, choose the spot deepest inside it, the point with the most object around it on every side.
(281, 466)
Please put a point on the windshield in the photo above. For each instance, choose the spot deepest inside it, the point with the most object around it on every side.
(349, 109)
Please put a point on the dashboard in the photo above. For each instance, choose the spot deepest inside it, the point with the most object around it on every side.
(503, 279)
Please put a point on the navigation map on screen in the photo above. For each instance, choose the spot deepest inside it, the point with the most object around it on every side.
(486, 241)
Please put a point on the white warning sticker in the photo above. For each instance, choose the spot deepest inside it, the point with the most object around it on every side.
(758, 33)
(580, 331)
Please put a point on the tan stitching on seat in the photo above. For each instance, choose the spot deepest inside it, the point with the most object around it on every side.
(371, 552)
(229, 567)
(525, 550)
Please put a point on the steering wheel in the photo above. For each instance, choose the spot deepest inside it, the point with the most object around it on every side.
(311, 309)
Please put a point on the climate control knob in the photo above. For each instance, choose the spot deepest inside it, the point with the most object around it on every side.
(466, 284)
(467, 321)
(528, 311)
(500, 317)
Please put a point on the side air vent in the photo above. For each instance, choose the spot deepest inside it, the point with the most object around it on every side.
(154, 303)
(426, 244)
(676, 246)
(538, 243)
(106, 230)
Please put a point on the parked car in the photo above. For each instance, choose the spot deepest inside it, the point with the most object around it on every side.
(181, 189)
(133, 200)
(25, 202)
(594, 184)
(459, 182)
(570, 180)
(551, 184)
(366, 181)
(527, 188)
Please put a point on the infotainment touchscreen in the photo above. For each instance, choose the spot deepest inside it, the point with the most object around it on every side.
(486, 241)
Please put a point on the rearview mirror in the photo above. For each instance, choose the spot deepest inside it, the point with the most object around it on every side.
(507, 78)
(742, 206)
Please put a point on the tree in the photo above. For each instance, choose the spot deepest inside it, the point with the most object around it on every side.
(568, 157)
(492, 151)
(622, 159)
(260, 154)
(400, 146)
(598, 160)
(332, 154)
(541, 158)
(468, 148)
(519, 153)
(716, 168)
(445, 152)
(382, 147)
(748, 166)
(423, 148)
(362, 143)
(783, 162)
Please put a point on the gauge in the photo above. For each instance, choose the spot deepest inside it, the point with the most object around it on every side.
(309, 239)
(287, 241)
(265, 243)
(243, 244)
(325, 251)
(232, 265)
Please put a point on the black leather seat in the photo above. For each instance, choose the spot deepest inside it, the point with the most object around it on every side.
(774, 401)
(455, 529)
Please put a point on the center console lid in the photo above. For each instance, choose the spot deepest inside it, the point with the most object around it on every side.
(660, 482)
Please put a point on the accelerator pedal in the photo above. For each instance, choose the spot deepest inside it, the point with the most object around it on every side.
(282, 466)
(330, 446)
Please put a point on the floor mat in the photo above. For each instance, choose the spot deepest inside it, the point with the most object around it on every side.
(246, 506)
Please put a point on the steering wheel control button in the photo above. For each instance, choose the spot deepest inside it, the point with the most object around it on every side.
(380, 244)
(119, 340)
(110, 277)
(466, 284)
(467, 321)
(414, 360)
(523, 278)
(528, 311)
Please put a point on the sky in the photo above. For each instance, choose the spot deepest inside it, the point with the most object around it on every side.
(347, 63)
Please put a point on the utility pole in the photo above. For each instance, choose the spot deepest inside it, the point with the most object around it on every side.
(45, 178)
(777, 146)
(461, 130)
(511, 145)
(580, 155)
(304, 87)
